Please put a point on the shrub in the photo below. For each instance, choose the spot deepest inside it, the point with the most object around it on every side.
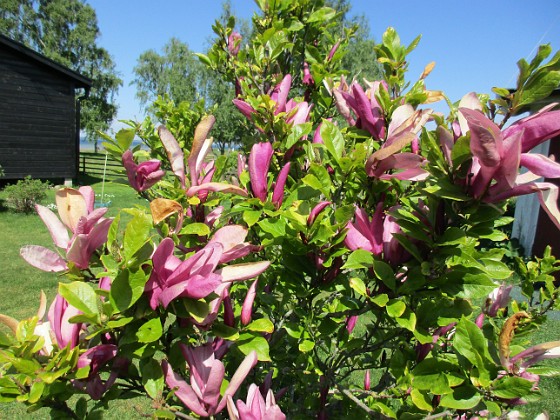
(23, 196)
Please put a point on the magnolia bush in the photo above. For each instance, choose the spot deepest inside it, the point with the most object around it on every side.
(350, 263)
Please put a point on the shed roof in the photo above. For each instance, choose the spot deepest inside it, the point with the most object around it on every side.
(80, 80)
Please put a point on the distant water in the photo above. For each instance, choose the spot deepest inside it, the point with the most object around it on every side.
(88, 146)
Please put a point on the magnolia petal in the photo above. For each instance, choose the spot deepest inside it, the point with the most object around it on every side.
(244, 108)
(174, 153)
(230, 236)
(399, 116)
(232, 410)
(242, 271)
(540, 165)
(247, 308)
(509, 167)
(89, 196)
(278, 193)
(486, 138)
(71, 206)
(239, 376)
(9, 322)
(280, 94)
(201, 145)
(259, 161)
(469, 101)
(537, 353)
(211, 393)
(536, 128)
(86, 224)
(131, 168)
(396, 146)
(58, 231)
(43, 258)
(217, 187)
(183, 391)
(42, 306)
(316, 211)
(356, 240)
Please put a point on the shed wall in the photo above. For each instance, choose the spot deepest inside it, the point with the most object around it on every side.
(37, 120)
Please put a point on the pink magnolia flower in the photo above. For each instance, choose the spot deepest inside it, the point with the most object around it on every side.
(247, 308)
(197, 276)
(367, 380)
(256, 407)
(333, 51)
(368, 113)
(403, 130)
(364, 233)
(307, 77)
(88, 226)
(234, 43)
(296, 112)
(259, 162)
(59, 315)
(144, 175)
(498, 155)
(207, 373)
(97, 357)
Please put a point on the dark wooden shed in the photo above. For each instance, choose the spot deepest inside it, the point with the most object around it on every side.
(39, 114)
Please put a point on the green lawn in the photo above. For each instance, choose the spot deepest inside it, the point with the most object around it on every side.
(21, 285)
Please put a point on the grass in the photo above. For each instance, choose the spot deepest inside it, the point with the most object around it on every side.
(21, 285)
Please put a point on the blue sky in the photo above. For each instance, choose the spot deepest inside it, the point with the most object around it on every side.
(475, 43)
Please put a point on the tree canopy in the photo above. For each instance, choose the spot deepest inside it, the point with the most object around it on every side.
(67, 31)
(177, 74)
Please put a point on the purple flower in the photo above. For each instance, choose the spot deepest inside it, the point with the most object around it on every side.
(207, 373)
(307, 78)
(143, 176)
(96, 357)
(256, 407)
(259, 162)
(88, 226)
(197, 276)
(498, 155)
(364, 233)
(59, 315)
(247, 308)
(234, 43)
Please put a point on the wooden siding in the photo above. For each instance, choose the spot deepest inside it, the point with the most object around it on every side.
(37, 119)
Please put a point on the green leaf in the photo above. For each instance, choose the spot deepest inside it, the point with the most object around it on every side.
(306, 346)
(360, 258)
(385, 273)
(275, 227)
(421, 400)
(125, 137)
(36, 392)
(200, 229)
(323, 15)
(510, 387)
(127, 288)
(136, 233)
(395, 308)
(333, 139)
(225, 332)
(297, 132)
(81, 296)
(462, 398)
(469, 341)
(381, 300)
(249, 342)
(358, 286)
(407, 320)
(261, 325)
(152, 377)
(539, 87)
(461, 150)
(150, 331)
(251, 217)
